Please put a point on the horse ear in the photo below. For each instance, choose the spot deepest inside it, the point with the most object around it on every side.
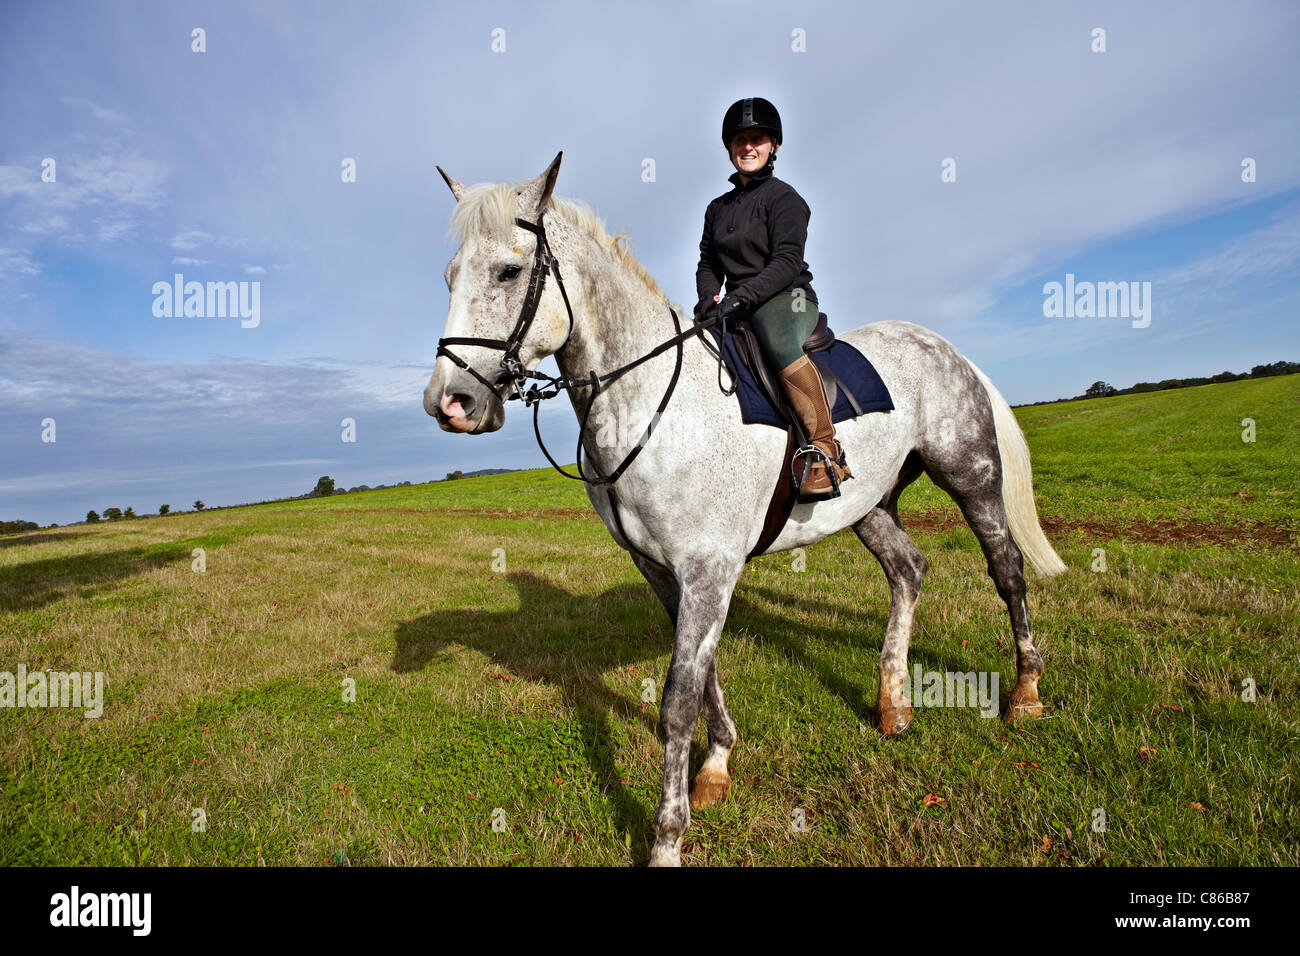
(552, 174)
(456, 188)
(537, 194)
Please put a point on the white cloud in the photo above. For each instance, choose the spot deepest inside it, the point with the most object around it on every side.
(1220, 290)
(107, 195)
(186, 241)
(113, 230)
(102, 113)
(1272, 250)
(16, 263)
(50, 225)
(21, 182)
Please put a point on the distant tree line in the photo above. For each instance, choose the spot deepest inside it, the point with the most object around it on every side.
(324, 487)
(454, 475)
(1104, 390)
(325, 484)
(117, 514)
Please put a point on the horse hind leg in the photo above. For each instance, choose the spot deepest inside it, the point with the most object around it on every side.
(905, 567)
(978, 493)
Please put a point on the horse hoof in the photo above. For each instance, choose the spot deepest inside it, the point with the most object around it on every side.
(895, 720)
(1021, 710)
(709, 787)
(1024, 702)
(667, 854)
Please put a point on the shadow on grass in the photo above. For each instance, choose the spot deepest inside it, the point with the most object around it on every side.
(569, 641)
(23, 540)
(36, 583)
(566, 641)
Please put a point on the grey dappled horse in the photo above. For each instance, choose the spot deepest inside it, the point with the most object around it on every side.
(692, 505)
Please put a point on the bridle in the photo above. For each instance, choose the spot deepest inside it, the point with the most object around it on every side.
(544, 262)
(513, 371)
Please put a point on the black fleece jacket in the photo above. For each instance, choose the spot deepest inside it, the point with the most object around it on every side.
(754, 238)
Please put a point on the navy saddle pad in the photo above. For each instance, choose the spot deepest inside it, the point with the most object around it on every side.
(848, 363)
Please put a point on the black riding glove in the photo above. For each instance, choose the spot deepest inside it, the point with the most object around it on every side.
(735, 307)
(703, 306)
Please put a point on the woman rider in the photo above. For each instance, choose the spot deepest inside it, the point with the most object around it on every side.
(754, 238)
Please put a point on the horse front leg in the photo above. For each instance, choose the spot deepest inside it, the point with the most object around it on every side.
(713, 780)
(705, 598)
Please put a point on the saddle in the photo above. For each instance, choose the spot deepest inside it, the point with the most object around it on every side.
(816, 347)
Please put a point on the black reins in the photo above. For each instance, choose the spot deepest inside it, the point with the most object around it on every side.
(514, 373)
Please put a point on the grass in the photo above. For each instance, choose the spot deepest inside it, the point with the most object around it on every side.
(521, 690)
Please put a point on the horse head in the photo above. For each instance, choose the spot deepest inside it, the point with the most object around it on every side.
(496, 279)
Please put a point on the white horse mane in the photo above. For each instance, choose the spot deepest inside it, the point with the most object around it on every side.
(489, 209)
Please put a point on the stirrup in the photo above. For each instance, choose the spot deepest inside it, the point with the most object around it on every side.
(807, 452)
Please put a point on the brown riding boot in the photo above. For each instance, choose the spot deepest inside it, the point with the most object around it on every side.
(807, 395)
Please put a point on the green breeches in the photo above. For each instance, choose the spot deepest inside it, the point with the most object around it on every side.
(781, 329)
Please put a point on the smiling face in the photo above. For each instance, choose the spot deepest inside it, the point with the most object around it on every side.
(750, 151)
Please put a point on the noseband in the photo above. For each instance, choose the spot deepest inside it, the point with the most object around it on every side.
(544, 263)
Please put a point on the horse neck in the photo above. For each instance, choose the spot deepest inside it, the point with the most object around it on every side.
(616, 320)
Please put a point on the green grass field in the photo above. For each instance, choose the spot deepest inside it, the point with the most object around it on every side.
(519, 690)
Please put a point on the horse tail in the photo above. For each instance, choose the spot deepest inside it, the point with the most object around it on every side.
(1018, 485)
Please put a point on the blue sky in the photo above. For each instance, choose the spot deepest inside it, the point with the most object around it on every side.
(1115, 166)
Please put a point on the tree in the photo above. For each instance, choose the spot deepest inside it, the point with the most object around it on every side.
(1099, 390)
(453, 475)
(92, 517)
(112, 514)
(1276, 368)
(324, 486)
(130, 512)
(163, 509)
(199, 506)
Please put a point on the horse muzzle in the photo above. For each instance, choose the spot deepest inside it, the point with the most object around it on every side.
(463, 405)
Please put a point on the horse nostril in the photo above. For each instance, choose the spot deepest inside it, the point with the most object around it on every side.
(466, 403)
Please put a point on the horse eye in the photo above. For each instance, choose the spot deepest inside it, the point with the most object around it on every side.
(508, 273)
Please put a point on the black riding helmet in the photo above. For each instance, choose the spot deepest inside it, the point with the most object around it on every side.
(752, 113)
